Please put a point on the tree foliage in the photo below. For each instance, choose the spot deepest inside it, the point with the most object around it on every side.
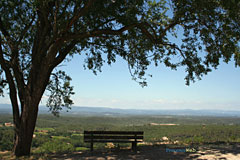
(59, 93)
(211, 27)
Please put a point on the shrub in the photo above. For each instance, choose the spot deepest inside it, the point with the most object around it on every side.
(39, 140)
(6, 139)
(56, 146)
(77, 141)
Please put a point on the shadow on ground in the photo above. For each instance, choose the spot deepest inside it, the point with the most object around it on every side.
(158, 152)
(148, 152)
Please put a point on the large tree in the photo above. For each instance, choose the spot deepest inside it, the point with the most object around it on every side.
(37, 35)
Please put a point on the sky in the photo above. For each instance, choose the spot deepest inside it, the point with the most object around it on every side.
(114, 88)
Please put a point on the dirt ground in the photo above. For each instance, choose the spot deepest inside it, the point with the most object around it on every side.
(151, 152)
(159, 152)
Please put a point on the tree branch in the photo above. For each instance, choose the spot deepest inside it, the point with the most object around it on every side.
(63, 53)
(171, 25)
(19, 77)
(65, 8)
(175, 47)
(14, 63)
(26, 29)
(154, 32)
(6, 34)
(43, 31)
(80, 13)
(100, 32)
(101, 24)
(55, 29)
(13, 92)
(149, 35)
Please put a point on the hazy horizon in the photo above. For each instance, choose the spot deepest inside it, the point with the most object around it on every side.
(129, 108)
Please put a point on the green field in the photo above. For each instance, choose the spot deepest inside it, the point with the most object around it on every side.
(65, 133)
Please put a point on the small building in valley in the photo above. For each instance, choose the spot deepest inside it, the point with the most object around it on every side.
(9, 124)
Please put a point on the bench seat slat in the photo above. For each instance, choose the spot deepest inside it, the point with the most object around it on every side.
(112, 140)
(112, 137)
(114, 132)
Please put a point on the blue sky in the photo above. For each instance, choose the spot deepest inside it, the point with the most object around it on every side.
(114, 87)
(166, 89)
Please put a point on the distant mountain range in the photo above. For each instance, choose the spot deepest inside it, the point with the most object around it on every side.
(78, 110)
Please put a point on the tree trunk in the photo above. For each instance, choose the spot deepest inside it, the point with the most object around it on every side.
(24, 134)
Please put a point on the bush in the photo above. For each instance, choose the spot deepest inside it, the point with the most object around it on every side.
(56, 146)
(77, 140)
(6, 139)
(39, 140)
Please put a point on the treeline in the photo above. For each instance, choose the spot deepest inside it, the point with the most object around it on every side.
(79, 121)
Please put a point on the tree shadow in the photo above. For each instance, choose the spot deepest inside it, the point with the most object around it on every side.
(148, 152)
(158, 152)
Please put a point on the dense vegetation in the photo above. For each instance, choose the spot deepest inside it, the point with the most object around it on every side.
(65, 133)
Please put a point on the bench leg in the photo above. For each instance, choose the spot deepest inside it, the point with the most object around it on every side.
(134, 146)
(91, 146)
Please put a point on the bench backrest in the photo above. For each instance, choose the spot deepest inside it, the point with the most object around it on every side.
(113, 136)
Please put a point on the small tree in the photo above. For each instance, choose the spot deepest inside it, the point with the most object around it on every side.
(37, 35)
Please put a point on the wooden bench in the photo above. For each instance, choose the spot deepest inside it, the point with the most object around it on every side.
(113, 136)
